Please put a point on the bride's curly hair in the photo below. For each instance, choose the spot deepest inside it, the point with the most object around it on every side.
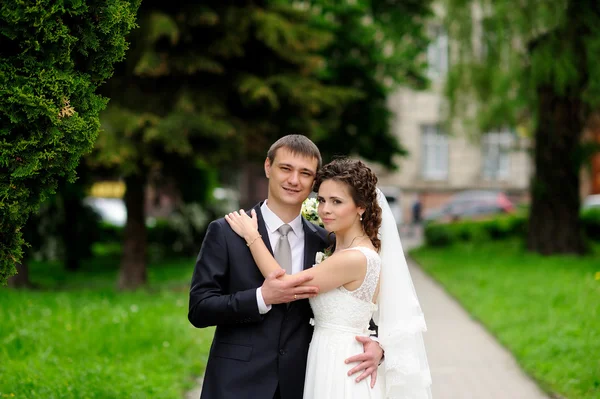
(363, 188)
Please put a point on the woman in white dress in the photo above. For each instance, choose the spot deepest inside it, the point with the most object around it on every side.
(353, 282)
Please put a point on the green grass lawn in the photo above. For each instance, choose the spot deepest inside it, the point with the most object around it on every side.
(546, 310)
(74, 336)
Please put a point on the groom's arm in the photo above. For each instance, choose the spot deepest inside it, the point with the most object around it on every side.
(210, 302)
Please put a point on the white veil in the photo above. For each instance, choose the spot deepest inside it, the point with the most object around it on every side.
(400, 318)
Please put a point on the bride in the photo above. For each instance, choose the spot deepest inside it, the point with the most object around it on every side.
(365, 278)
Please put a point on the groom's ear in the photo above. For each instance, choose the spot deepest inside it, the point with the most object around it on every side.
(267, 167)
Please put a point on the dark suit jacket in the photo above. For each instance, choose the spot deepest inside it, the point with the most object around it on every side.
(251, 354)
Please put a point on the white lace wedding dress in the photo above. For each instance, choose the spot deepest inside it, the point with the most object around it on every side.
(339, 316)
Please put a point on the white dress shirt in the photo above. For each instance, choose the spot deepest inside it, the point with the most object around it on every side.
(296, 239)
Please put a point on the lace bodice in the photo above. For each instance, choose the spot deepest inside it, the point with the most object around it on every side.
(366, 291)
(350, 309)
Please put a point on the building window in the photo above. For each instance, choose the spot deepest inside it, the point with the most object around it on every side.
(435, 153)
(496, 154)
(437, 53)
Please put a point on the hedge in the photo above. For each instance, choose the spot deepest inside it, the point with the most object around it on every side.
(497, 228)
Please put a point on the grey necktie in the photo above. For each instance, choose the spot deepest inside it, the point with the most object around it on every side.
(283, 251)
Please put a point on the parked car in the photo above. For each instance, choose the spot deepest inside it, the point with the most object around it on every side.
(591, 201)
(111, 210)
(471, 204)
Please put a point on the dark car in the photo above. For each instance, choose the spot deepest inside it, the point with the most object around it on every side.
(471, 204)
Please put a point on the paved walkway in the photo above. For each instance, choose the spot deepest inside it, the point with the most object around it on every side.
(465, 360)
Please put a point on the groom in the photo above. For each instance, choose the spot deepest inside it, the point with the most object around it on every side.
(261, 341)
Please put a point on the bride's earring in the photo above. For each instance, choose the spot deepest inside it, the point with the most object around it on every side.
(361, 218)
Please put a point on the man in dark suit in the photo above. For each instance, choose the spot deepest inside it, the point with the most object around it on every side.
(263, 333)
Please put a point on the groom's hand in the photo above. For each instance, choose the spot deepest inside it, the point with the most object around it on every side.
(367, 361)
(275, 290)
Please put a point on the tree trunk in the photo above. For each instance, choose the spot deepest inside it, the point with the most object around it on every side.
(133, 262)
(596, 168)
(70, 232)
(21, 279)
(554, 226)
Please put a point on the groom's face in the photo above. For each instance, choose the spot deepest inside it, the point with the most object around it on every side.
(291, 177)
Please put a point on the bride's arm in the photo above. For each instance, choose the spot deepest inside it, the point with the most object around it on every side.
(335, 271)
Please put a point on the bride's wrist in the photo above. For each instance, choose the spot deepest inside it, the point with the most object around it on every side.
(251, 238)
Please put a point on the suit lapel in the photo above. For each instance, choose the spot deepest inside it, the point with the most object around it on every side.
(312, 243)
(262, 228)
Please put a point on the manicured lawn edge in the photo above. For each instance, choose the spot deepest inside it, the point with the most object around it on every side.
(550, 320)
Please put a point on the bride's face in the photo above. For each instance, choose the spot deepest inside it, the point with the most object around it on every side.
(337, 209)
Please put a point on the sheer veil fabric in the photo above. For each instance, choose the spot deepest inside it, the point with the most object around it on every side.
(400, 318)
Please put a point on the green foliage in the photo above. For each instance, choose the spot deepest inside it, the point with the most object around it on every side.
(590, 219)
(504, 54)
(63, 227)
(86, 341)
(220, 82)
(497, 228)
(377, 46)
(213, 82)
(110, 233)
(53, 56)
(492, 67)
(545, 310)
(178, 235)
(210, 86)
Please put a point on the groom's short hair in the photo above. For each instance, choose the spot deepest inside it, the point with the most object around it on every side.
(298, 145)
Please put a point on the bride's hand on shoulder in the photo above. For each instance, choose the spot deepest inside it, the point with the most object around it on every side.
(244, 225)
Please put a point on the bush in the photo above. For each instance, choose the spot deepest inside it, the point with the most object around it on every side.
(53, 56)
(180, 234)
(498, 228)
(110, 233)
(438, 235)
(590, 220)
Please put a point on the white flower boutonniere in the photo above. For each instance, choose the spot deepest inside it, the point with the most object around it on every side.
(309, 211)
(321, 256)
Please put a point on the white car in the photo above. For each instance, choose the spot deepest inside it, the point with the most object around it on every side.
(111, 210)
(591, 201)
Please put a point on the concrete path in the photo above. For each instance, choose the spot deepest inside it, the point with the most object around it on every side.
(466, 361)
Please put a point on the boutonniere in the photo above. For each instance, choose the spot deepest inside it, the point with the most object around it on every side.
(321, 256)
(309, 211)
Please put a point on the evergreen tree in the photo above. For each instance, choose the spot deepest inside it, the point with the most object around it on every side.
(532, 65)
(208, 84)
(53, 56)
(377, 46)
